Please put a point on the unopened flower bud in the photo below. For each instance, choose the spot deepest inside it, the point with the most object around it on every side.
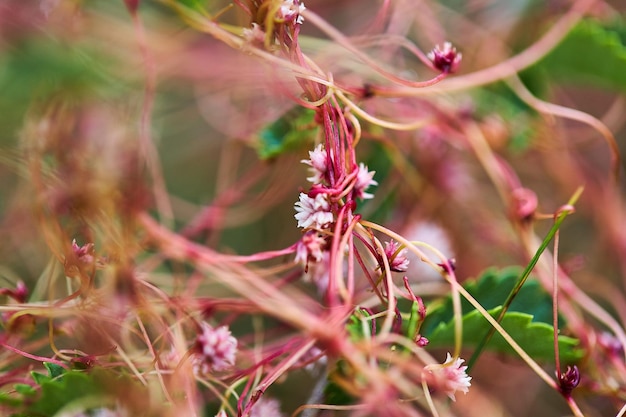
(569, 380)
(445, 59)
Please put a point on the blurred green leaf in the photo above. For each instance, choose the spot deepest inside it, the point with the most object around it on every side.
(378, 158)
(195, 5)
(358, 325)
(590, 54)
(56, 393)
(38, 70)
(9, 400)
(25, 389)
(92, 389)
(289, 132)
(498, 99)
(333, 392)
(43, 67)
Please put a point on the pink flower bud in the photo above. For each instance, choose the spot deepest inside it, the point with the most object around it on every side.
(445, 59)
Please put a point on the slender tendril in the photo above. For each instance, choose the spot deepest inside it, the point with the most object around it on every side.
(525, 274)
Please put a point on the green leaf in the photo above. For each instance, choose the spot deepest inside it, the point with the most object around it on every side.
(535, 338)
(289, 132)
(9, 400)
(195, 5)
(46, 67)
(42, 69)
(25, 389)
(92, 389)
(590, 54)
(411, 326)
(530, 314)
(491, 290)
(520, 119)
(378, 158)
(358, 326)
(56, 393)
(54, 370)
(39, 378)
(333, 392)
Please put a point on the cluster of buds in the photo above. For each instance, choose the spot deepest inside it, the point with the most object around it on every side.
(445, 59)
(215, 350)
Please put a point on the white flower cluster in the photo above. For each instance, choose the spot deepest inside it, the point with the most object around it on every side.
(315, 212)
(289, 10)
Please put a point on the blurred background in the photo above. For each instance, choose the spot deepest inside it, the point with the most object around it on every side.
(104, 113)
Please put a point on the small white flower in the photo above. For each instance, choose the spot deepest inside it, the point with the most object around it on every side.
(215, 349)
(364, 179)
(451, 376)
(266, 407)
(288, 11)
(222, 413)
(313, 212)
(317, 164)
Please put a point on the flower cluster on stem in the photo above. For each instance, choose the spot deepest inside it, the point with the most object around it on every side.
(215, 349)
(314, 209)
(451, 376)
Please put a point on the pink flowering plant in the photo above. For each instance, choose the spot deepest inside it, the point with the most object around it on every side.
(261, 208)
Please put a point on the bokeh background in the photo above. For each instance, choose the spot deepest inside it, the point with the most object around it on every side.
(75, 77)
